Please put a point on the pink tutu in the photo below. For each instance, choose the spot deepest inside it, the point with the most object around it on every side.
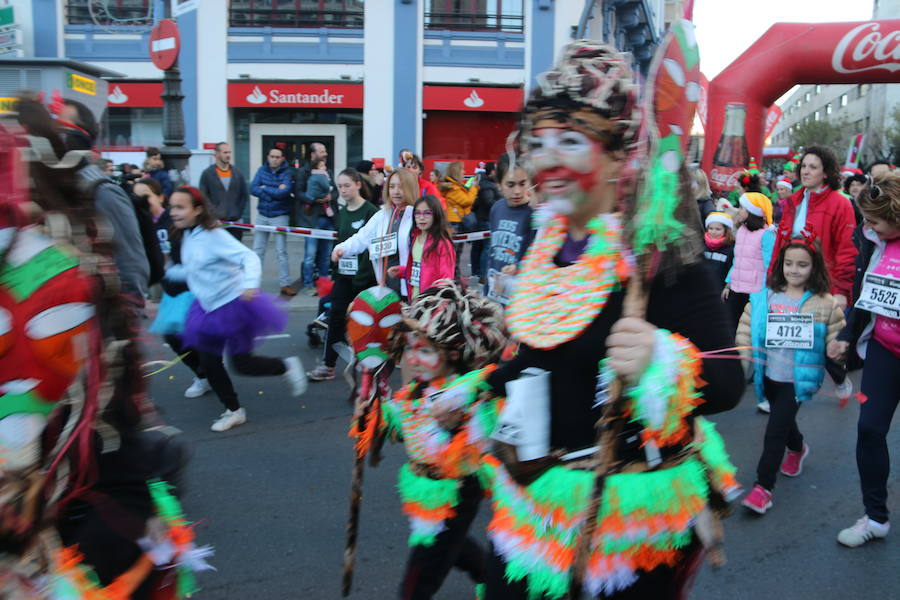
(234, 327)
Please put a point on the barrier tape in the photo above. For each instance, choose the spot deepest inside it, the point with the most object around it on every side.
(326, 234)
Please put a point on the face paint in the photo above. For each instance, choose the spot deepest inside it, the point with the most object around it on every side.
(565, 163)
(373, 314)
(425, 360)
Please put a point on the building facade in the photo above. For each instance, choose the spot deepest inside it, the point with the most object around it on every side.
(445, 78)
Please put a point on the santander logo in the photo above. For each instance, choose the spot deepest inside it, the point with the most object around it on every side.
(864, 48)
(117, 96)
(256, 96)
(474, 100)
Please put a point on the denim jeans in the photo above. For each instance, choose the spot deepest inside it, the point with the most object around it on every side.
(317, 254)
(261, 240)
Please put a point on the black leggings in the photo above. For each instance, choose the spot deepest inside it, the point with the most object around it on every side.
(188, 357)
(781, 431)
(245, 364)
(342, 294)
(881, 387)
(736, 302)
(662, 583)
(428, 566)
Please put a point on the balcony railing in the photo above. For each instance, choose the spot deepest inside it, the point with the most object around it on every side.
(109, 13)
(475, 21)
(346, 14)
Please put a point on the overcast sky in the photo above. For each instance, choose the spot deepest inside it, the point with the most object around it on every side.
(725, 28)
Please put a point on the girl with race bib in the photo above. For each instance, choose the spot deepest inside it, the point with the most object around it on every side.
(786, 327)
(873, 331)
(387, 234)
(431, 253)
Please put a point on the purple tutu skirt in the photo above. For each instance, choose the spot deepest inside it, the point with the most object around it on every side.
(234, 327)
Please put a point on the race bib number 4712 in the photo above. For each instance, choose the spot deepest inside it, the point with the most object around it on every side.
(789, 331)
(880, 295)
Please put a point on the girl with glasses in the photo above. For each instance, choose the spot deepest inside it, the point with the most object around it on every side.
(431, 253)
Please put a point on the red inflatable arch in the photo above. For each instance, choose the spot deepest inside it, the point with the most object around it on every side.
(786, 55)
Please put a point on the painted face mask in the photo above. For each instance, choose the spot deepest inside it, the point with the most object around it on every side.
(424, 359)
(45, 321)
(373, 313)
(564, 164)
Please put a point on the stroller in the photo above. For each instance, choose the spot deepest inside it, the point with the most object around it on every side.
(316, 330)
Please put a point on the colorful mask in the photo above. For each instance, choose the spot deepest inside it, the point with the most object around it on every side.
(372, 315)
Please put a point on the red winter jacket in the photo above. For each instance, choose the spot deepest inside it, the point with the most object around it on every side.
(830, 216)
(437, 264)
(427, 188)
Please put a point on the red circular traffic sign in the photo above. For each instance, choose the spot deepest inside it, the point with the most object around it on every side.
(165, 42)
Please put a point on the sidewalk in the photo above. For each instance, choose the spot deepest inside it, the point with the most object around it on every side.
(270, 284)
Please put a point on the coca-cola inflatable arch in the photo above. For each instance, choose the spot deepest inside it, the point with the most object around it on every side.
(786, 55)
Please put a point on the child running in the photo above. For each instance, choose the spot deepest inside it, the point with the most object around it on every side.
(719, 241)
(873, 332)
(789, 324)
(445, 429)
(229, 312)
(431, 253)
(511, 230)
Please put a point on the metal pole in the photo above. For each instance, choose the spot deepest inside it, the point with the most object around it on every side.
(175, 155)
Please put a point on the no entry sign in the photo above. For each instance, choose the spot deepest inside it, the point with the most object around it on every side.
(165, 42)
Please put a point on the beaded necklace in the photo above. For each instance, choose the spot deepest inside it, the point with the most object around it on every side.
(552, 305)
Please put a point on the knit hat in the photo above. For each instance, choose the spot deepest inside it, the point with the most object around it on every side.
(757, 204)
(719, 217)
(364, 166)
(784, 182)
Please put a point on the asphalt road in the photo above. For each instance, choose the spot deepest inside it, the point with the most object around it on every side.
(272, 497)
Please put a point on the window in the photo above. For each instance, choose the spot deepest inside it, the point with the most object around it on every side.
(791, 129)
(475, 15)
(828, 108)
(116, 12)
(843, 100)
(797, 104)
(339, 14)
(818, 89)
(133, 126)
(816, 116)
(863, 89)
(807, 96)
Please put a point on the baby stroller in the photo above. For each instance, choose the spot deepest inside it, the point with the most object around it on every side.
(316, 331)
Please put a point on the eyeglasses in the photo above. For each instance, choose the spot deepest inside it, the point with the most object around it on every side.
(423, 213)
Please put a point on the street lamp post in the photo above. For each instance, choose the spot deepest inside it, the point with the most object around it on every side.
(175, 155)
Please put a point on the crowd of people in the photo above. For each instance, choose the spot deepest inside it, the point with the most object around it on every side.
(566, 380)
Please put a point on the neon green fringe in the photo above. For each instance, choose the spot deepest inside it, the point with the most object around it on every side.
(654, 221)
(169, 510)
(429, 493)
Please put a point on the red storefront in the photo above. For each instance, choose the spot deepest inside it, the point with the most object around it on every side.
(467, 123)
(134, 116)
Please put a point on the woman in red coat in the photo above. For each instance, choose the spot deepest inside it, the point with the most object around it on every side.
(818, 207)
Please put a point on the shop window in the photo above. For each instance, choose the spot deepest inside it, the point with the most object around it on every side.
(133, 127)
(111, 12)
(338, 14)
(475, 15)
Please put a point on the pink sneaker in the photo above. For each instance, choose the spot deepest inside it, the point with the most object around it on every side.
(759, 500)
(793, 461)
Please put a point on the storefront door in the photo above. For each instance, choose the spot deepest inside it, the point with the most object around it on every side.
(294, 140)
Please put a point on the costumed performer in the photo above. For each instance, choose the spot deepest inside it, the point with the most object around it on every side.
(567, 311)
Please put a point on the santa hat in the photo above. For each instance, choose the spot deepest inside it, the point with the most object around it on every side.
(847, 171)
(720, 217)
(757, 204)
(785, 182)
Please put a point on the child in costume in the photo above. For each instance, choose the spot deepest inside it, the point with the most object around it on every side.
(667, 464)
(229, 312)
(719, 240)
(873, 334)
(445, 429)
(791, 360)
(753, 244)
(431, 253)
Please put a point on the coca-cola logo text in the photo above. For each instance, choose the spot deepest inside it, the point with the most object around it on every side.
(724, 179)
(864, 48)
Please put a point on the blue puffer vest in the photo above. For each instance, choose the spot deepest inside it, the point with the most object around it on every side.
(809, 365)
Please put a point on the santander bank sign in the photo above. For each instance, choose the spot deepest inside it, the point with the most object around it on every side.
(865, 48)
(295, 95)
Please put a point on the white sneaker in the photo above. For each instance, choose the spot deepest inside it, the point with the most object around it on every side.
(763, 407)
(864, 530)
(845, 390)
(295, 375)
(229, 419)
(198, 388)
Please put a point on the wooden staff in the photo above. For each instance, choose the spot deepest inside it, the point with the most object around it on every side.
(610, 426)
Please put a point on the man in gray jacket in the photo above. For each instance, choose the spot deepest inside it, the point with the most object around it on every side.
(80, 132)
(226, 188)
